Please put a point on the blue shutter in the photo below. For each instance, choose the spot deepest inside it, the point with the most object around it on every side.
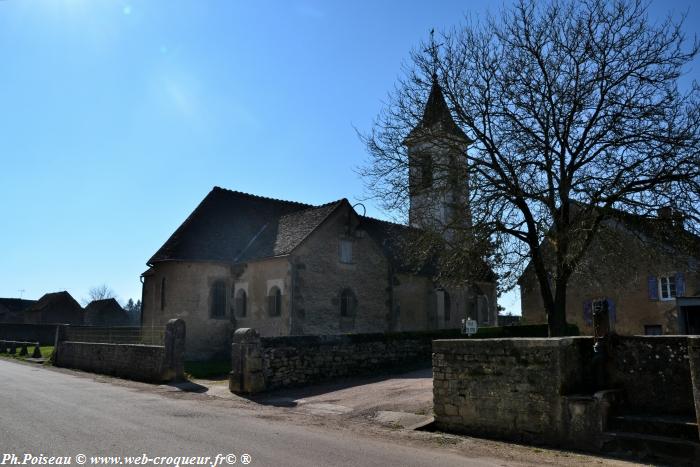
(680, 284)
(588, 312)
(611, 311)
(653, 288)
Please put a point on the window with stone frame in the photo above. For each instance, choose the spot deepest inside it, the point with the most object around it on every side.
(241, 303)
(274, 302)
(447, 306)
(426, 170)
(667, 287)
(162, 294)
(218, 300)
(345, 251)
(348, 303)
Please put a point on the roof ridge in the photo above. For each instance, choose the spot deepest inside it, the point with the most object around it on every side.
(267, 198)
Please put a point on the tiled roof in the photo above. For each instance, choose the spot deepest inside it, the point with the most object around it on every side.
(15, 304)
(102, 306)
(55, 301)
(231, 226)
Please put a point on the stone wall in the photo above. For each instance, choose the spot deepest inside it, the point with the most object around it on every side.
(541, 390)
(694, 357)
(507, 388)
(653, 372)
(260, 364)
(150, 363)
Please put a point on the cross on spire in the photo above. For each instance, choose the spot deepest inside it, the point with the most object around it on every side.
(433, 51)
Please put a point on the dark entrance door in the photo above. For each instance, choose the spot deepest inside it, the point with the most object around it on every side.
(691, 318)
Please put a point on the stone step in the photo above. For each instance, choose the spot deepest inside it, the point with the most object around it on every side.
(651, 448)
(672, 426)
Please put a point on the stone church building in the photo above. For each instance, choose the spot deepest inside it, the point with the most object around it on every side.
(288, 268)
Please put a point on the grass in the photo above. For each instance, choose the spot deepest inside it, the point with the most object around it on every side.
(208, 369)
(46, 351)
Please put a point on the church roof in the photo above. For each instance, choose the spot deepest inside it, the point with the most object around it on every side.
(232, 226)
(437, 118)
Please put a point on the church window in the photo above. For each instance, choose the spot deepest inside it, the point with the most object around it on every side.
(447, 301)
(348, 303)
(274, 301)
(241, 303)
(218, 299)
(162, 294)
(345, 251)
(426, 171)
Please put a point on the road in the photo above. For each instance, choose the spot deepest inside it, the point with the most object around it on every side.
(58, 414)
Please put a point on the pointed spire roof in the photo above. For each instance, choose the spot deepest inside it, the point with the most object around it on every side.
(437, 117)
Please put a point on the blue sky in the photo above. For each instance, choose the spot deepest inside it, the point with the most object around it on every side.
(118, 117)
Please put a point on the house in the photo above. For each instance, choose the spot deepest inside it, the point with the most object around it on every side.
(105, 312)
(53, 308)
(289, 268)
(12, 309)
(642, 270)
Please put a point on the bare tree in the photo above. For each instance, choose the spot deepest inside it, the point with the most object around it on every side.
(576, 116)
(100, 292)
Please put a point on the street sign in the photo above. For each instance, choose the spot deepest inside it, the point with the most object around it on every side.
(470, 327)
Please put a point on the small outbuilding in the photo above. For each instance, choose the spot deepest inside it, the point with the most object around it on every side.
(55, 308)
(107, 312)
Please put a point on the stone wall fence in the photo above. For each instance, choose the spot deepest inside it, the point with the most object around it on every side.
(149, 363)
(549, 391)
(265, 363)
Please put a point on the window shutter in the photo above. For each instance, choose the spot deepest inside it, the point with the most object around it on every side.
(653, 287)
(611, 311)
(680, 284)
(588, 312)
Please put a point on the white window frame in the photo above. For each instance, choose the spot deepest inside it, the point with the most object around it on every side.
(667, 287)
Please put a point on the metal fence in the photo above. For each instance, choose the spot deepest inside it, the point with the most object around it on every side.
(116, 335)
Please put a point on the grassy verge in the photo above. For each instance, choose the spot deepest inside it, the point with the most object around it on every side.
(46, 351)
(208, 369)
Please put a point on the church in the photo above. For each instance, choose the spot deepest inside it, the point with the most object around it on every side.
(289, 268)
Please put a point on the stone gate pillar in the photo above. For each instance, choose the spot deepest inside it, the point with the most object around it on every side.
(174, 350)
(246, 363)
(694, 357)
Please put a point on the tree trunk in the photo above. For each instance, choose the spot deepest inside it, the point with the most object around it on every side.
(556, 317)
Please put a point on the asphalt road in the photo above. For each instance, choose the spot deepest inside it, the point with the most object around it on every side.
(61, 414)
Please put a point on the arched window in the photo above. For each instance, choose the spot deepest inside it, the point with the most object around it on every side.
(274, 302)
(348, 303)
(241, 303)
(447, 301)
(218, 299)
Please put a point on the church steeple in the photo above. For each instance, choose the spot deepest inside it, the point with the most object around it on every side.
(437, 119)
(438, 185)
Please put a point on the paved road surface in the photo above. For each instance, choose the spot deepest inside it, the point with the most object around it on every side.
(55, 413)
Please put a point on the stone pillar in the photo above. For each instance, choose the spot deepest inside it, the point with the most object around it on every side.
(23, 349)
(694, 357)
(59, 337)
(37, 351)
(174, 364)
(246, 363)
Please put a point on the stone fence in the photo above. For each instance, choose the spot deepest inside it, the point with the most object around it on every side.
(544, 391)
(150, 363)
(259, 364)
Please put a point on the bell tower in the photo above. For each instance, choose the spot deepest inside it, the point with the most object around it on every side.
(438, 185)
